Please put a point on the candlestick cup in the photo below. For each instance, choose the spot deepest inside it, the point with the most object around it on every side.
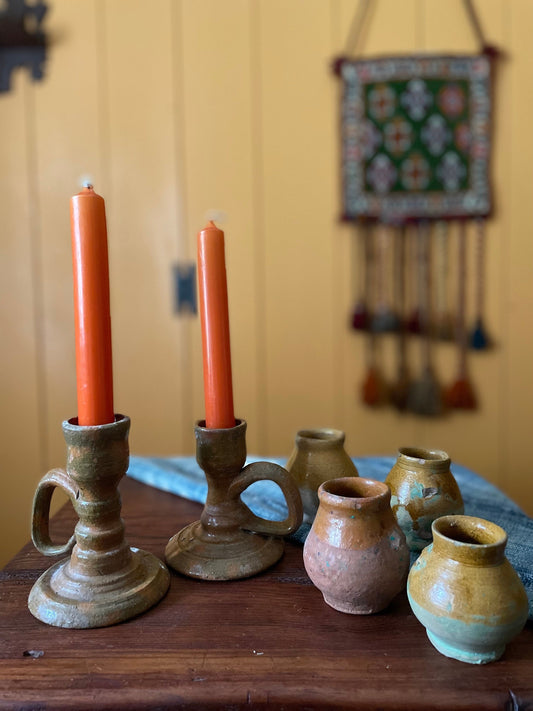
(230, 541)
(104, 581)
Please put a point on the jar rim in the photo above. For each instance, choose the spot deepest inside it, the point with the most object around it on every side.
(350, 491)
(469, 533)
(320, 434)
(423, 454)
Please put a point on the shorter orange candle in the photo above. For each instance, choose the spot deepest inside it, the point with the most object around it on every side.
(218, 389)
(92, 317)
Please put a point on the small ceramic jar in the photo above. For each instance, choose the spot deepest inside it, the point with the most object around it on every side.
(318, 456)
(465, 592)
(422, 489)
(355, 552)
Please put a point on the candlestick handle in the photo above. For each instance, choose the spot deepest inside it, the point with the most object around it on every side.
(40, 531)
(269, 471)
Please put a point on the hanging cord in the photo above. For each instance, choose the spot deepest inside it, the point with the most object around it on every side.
(425, 279)
(356, 27)
(424, 397)
(461, 394)
(361, 15)
(475, 23)
(461, 300)
(360, 314)
(478, 337)
(400, 389)
(444, 327)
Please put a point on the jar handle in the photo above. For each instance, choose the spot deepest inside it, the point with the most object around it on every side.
(40, 532)
(269, 471)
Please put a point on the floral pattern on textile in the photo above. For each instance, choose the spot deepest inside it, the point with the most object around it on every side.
(382, 174)
(382, 102)
(416, 99)
(398, 136)
(416, 137)
(435, 134)
(415, 173)
(451, 171)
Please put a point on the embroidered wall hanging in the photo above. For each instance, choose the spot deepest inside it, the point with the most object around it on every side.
(415, 153)
(416, 137)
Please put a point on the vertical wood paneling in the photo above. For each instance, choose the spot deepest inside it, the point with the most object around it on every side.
(217, 56)
(298, 213)
(142, 221)
(518, 296)
(67, 147)
(20, 411)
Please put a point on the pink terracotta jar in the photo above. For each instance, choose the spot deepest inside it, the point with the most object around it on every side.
(356, 553)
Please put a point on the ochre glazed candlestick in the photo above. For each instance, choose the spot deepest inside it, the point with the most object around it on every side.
(104, 581)
(229, 541)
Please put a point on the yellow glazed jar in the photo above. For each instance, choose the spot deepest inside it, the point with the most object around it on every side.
(318, 456)
(465, 592)
(422, 489)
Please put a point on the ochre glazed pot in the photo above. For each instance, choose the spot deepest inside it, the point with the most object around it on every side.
(465, 592)
(422, 489)
(318, 456)
(355, 552)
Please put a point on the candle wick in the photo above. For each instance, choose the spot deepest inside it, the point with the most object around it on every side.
(88, 184)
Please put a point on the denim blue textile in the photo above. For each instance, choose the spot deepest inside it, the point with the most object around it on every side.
(183, 476)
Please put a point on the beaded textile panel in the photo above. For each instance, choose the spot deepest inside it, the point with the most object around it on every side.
(416, 137)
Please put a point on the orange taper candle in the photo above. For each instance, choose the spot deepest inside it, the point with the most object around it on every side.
(92, 318)
(218, 389)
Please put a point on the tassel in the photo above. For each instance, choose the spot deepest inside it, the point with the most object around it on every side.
(360, 318)
(425, 396)
(373, 389)
(461, 396)
(479, 340)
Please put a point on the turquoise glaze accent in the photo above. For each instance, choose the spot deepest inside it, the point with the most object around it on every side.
(422, 489)
(474, 643)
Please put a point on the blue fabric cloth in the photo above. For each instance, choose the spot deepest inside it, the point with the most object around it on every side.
(183, 476)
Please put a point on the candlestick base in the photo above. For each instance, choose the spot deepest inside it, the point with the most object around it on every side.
(59, 598)
(230, 542)
(104, 581)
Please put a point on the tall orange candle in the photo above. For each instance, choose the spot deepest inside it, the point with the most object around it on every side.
(218, 388)
(92, 316)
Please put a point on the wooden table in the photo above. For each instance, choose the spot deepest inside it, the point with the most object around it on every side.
(267, 642)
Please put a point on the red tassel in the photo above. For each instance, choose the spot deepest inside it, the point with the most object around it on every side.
(360, 317)
(461, 396)
(413, 324)
(373, 388)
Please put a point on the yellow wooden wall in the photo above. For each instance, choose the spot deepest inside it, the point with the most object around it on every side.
(178, 107)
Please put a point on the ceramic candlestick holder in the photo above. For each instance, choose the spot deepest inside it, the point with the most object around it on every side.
(104, 581)
(230, 541)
